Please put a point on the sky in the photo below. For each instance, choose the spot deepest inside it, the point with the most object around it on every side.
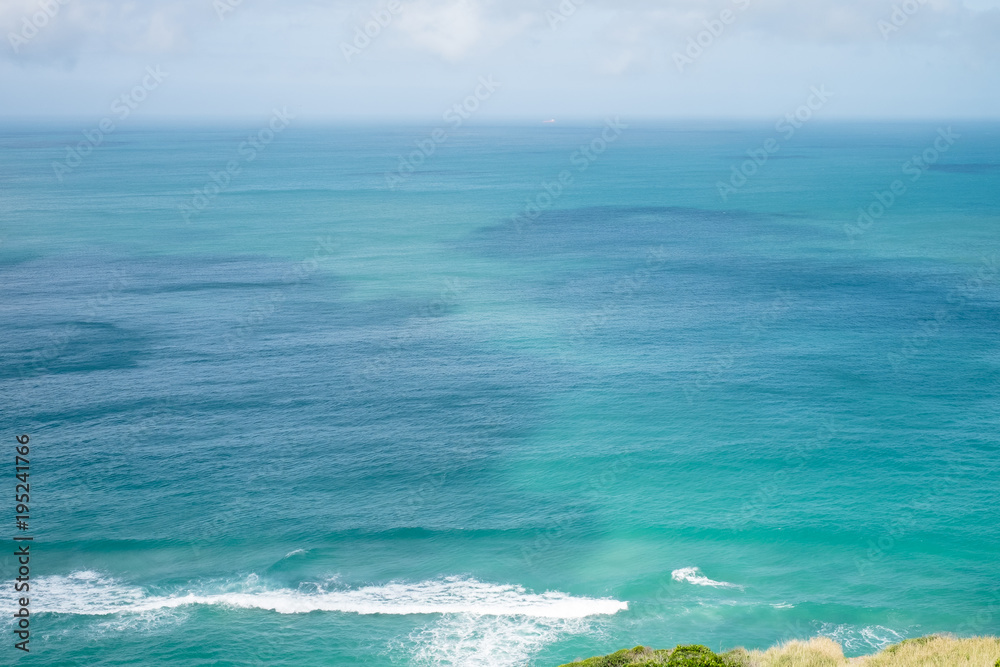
(558, 59)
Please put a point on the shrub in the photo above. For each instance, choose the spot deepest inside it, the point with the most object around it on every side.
(694, 656)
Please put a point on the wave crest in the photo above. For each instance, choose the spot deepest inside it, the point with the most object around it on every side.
(91, 593)
(693, 575)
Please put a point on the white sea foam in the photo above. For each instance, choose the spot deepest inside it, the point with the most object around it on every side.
(693, 575)
(481, 624)
(91, 593)
(85, 592)
(861, 638)
(149, 621)
(488, 641)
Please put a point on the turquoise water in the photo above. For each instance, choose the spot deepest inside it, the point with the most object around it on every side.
(314, 420)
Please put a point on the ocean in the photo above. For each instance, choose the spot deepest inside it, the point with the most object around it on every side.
(503, 396)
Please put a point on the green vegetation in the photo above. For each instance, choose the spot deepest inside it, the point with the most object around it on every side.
(932, 651)
(681, 656)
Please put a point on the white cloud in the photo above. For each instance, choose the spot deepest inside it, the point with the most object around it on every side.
(448, 29)
(61, 31)
(456, 29)
(288, 49)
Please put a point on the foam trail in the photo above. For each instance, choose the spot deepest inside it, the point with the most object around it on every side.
(866, 638)
(91, 593)
(476, 641)
(693, 575)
